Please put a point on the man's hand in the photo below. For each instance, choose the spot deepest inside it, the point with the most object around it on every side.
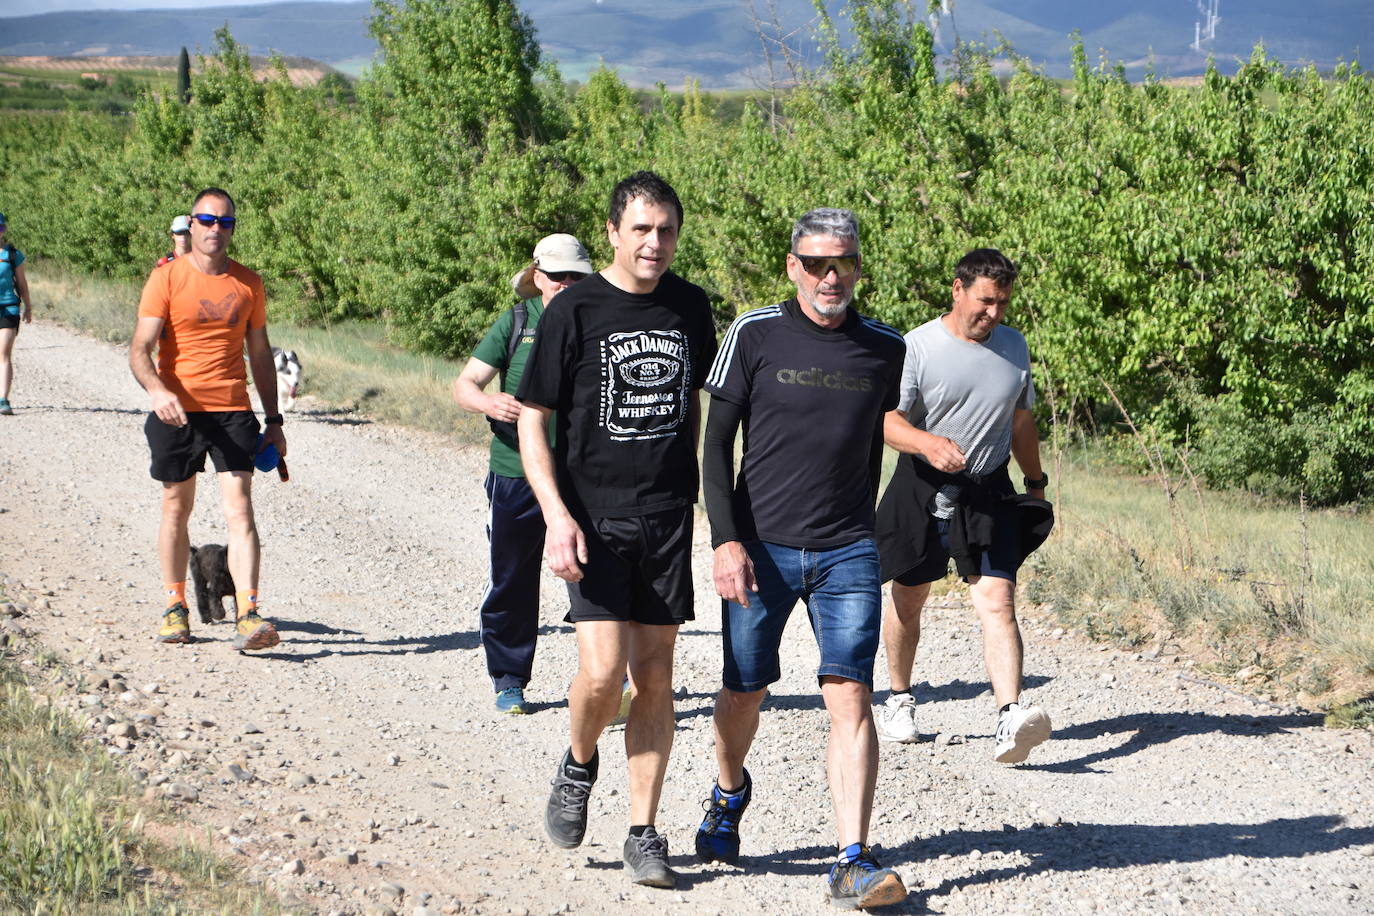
(943, 454)
(940, 453)
(734, 573)
(565, 547)
(272, 435)
(168, 408)
(28, 313)
(503, 408)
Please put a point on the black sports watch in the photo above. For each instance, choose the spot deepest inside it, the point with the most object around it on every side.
(1040, 484)
(273, 420)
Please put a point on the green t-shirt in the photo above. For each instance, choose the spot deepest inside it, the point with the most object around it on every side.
(505, 460)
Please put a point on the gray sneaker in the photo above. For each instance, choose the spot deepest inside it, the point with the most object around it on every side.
(646, 859)
(565, 816)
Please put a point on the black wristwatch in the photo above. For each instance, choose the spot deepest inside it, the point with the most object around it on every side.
(1040, 484)
(273, 420)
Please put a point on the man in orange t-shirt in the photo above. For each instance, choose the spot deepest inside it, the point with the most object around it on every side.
(199, 311)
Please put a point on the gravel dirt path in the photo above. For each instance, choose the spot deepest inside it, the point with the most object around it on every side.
(360, 768)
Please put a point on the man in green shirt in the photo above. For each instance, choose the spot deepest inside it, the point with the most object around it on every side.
(515, 526)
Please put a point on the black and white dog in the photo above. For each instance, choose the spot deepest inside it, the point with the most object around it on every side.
(288, 376)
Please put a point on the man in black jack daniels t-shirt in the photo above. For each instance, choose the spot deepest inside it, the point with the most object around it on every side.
(620, 360)
(810, 380)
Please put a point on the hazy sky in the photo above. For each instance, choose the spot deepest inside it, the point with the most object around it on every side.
(32, 7)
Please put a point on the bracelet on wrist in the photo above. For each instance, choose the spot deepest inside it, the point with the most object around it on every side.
(274, 420)
(1036, 484)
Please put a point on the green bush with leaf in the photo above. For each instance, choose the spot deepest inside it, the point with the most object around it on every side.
(1201, 254)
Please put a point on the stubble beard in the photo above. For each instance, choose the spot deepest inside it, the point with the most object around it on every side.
(828, 311)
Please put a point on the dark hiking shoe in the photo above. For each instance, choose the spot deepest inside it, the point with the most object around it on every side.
(565, 816)
(646, 859)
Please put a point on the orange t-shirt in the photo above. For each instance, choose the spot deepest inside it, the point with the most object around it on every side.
(205, 319)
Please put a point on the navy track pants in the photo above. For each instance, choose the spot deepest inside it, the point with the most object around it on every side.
(510, 607)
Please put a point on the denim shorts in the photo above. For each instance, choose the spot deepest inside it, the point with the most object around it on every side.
(843, 598)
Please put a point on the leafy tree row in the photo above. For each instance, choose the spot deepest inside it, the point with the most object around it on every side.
(1201, 252)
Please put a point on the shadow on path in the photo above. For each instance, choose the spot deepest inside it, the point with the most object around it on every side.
(333, 416)
(954, 690)
(355, 644)
(52, 408)
(1078, 848)
(1151, 728)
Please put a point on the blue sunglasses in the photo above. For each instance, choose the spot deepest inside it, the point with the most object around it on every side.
(207, 220)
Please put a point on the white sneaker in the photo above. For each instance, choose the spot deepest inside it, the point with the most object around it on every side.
(895, 720)
(1018, 730)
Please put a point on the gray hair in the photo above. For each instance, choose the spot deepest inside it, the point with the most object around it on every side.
(841, 224)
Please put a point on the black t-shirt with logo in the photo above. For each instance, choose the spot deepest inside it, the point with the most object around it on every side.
(620, 368)
(812, 401)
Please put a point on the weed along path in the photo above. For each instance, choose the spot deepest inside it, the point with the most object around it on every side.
(360, 767)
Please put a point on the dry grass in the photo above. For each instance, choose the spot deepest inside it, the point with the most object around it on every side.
(74, 837)
(1277, 597)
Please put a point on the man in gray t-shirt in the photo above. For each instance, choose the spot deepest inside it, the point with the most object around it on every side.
(964, 410)
(967, 392)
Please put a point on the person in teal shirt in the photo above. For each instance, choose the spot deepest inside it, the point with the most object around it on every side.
(515, 527)
(15, 305)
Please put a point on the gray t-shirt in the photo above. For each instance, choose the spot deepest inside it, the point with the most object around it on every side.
(966, 392)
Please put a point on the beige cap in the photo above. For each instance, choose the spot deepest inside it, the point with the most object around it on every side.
(180, 224)
(554, 254)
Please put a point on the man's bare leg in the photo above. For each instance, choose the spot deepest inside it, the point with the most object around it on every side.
(245, 556)
(994, 603)
(173, 534)
(603, 648)
(245, 551)
(649, 732)
(851, 756)
(736, 721)
(1021, 728)
(902, 632)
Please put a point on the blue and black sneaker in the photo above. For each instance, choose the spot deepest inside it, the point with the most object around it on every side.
(858, 882)
(718, 835)
(511, 701)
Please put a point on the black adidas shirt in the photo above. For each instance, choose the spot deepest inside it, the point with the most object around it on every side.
(812, 401)
(620, 368)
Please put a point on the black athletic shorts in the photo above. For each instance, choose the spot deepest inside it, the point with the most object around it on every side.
(638, 569)
(230, 436)
(1000, 561)
(7, 320)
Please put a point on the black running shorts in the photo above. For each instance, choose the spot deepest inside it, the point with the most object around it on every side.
(638, 569)
(1001, 560)
(7, 320)
(230, 436)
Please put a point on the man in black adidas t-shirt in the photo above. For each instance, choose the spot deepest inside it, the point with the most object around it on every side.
(810, 380)
(619, 360)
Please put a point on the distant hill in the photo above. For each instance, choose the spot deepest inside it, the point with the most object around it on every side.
(1322, 32)
(715, 40)
(323, 31)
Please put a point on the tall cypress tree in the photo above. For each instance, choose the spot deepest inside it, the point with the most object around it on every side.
(184, 77)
